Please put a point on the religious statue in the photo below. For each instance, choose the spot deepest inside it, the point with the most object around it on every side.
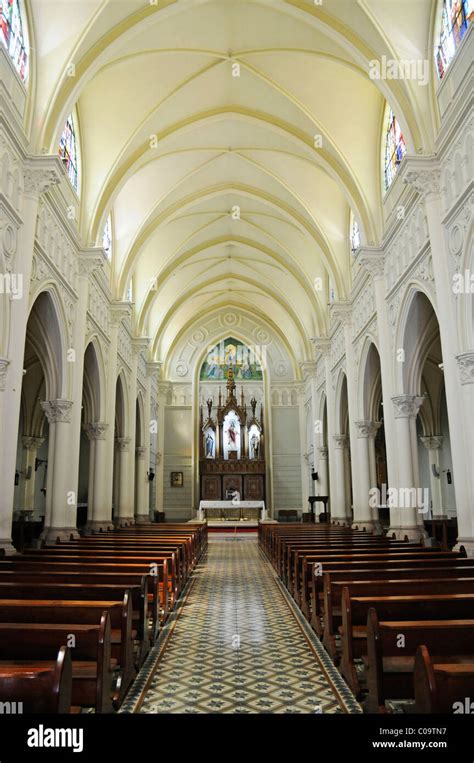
(209, 406)
(209, 445)
(254, 445)
(232, 436)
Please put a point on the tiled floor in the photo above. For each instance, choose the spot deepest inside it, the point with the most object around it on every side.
(238, 645)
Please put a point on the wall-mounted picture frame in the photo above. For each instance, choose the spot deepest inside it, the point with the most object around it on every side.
(176, 479)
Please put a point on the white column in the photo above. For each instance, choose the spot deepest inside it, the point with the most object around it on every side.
(363, 517)
(141, 482)
(60, 521)
(99, 515)
(339, 502)
(433, 445)
(31, 445)
(423, 174)
(118, 311)
(375, 426)
(160, 445)
(123, 517)
(465, 362)
(405, 497)
(40, 174)
(373, 260)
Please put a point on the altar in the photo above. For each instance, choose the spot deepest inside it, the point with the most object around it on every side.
(232, 511)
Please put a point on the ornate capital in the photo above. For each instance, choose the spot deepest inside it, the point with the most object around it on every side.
(154, 367)
(341, 440)
(367, 428)
(90, 260)
(42, 173)
(3, 373)
(372, 259)
(309, 368)
(407, 406)
(342, 311)
(465, 363)
(423, 174)
(140, 452)
(32, 443)
(433, 442)
(158, 458)
(323, 452)
(123, 443)
(96, 430)
(322, 344)
(119, 311)
(57, 411)
(139, 344)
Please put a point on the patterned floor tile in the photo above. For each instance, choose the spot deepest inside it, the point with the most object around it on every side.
(238, 644)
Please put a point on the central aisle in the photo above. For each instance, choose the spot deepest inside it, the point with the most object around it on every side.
(237, 644)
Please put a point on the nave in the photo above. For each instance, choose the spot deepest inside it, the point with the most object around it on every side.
(238, 644)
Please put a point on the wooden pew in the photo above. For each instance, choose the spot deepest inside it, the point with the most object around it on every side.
(332, 616)
(35, 589)
(92, 665)
(83, 613)
(355, 611)
(442, 687)
(42, 686)
(390, 664)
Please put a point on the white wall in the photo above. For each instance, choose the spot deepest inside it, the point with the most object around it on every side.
(286, 458)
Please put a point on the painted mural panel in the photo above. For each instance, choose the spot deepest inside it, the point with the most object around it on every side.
(245, 362)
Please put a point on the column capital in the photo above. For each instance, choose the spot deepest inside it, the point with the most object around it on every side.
(57, 410)
(367, 428)
(90, 260)
(32, 443)
(4, 363)
(140, 452)
(432, 442)
(96, 430)
(342, 311)
(407, 406)
(341, 440)
(139, 344)
(123, 443)
(465, 363)
(118, 311)
(322, 344)
(323, 452)
(423, 174)
(42, 173)
(154, 367)
(308, 368)
(372, 259)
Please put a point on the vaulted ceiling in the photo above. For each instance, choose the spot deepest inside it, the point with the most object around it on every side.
(230, 140)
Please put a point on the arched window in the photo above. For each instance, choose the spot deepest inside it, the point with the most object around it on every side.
(354, 234)
(455, 19)
(130, 291)
(395, 149)
(331, 291)
(68, 151)
(13, 35)
(107, 238)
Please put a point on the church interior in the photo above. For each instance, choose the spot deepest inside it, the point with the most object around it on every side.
(236, 357)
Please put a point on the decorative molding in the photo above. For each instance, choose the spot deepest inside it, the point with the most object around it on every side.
(432, 442)
(140, 452)
(323, 452)
(96, 430)
(57, 411)
(407, 406)
(89, 260)
(139, 344)
(32, 443)
(371, 259)
(367, 428)
(308, 368)
(118, 311)
(342, 311)
(42, 173)
(465, 363)
(341, 440)
(4, 363)
(123, 443)
(423, 174)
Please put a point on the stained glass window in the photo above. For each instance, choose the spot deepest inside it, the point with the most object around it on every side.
(13, 35)
(455, 19)
(331, 292)
(107, 238)
(130, 291)
(68, 151)
(395, 149)
(354, 234)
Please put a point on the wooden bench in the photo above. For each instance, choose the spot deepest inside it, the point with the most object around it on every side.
(390, 660)
(83, 613)
(92, 664)
(420, 607)
(442, 687)
(42, 686)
